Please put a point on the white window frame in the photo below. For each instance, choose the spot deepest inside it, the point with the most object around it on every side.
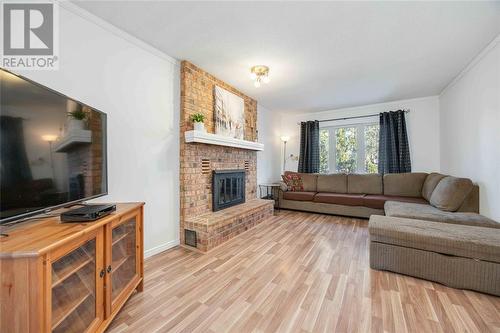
(332, 147)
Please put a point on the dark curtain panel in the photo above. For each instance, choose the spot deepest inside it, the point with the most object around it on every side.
(394, 149)
(14, 165)
(309, 147)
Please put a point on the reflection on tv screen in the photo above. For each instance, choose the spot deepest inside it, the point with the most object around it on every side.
(53, 148)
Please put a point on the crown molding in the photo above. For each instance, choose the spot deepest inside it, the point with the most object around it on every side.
(472, 64)
(77, 10)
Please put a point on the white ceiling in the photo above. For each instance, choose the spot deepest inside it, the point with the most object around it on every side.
(322, 55)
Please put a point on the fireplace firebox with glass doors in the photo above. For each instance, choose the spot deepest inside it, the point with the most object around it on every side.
(228, 188)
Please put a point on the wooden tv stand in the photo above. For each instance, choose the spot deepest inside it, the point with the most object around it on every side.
(70, 277)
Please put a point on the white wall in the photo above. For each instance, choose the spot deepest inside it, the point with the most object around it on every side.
(269, 160)
(422, 123)
(138, 88)
(470, 127)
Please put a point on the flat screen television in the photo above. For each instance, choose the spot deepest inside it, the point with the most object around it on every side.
(52, 149)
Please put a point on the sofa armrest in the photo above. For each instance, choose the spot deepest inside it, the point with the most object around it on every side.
(283, 187)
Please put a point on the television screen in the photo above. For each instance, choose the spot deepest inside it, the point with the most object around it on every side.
(53, 149)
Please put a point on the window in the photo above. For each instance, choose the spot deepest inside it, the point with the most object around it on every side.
(349, 148)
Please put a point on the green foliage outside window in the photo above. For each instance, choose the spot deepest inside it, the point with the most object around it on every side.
(346, 149)
(371, 148)
(323, 151)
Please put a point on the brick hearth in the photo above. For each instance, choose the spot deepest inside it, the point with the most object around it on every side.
(197, 160)
(215, 228)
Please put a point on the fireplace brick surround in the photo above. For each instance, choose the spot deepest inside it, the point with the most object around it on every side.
(198, 160)
(213, 229)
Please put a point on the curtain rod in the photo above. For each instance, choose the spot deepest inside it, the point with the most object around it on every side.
(354, 117)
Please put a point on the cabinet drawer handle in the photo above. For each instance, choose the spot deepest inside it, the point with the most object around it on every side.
(109, 269)
(102, 273)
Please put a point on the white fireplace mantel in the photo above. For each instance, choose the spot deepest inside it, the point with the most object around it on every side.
(214, 139)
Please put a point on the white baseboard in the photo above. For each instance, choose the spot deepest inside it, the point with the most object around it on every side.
(161, 248)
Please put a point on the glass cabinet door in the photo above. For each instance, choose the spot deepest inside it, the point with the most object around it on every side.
(74, 289)
(124, 260)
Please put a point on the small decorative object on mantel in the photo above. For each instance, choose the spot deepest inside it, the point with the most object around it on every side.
(229, 114)
(198, 119)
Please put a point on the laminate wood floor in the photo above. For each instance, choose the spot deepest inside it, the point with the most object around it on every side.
(296, 272)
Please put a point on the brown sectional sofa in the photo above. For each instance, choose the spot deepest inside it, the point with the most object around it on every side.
(365, 195)
(431, 228)
(456, 255)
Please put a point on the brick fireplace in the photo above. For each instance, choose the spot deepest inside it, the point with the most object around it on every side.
(198, 161)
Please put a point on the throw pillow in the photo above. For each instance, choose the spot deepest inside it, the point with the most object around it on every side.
(430, 184)
(293, 182)
(450, 193)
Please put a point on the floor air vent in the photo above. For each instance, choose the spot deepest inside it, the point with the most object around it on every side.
(190, 237)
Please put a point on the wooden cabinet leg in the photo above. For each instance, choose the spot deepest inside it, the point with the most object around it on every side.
(140, 286)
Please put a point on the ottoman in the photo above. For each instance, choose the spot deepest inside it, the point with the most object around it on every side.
(459, 256)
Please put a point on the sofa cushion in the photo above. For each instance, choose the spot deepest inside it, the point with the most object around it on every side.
(293, 182)
(308, 180)
(430, 184)
(457, 240)
(429, 213)
(377, 201)
(364, 184)
(340, 198)
(299, 195)
(471, 202)
(404, 184)
(450, 193)
(335, 183)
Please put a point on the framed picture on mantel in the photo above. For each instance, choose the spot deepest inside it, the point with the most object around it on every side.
(229, 114)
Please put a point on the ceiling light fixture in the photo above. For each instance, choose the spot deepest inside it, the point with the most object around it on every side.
(259, 73)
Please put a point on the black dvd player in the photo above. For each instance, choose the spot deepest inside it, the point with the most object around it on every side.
(87, 213)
